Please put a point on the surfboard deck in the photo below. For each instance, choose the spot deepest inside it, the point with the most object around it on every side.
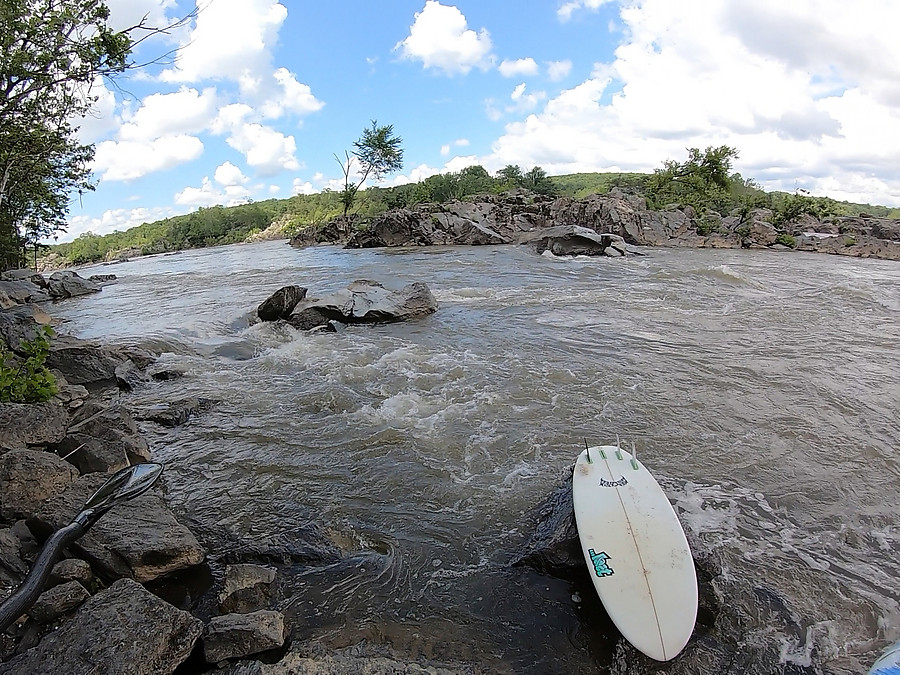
(635, 550)
(888, 663)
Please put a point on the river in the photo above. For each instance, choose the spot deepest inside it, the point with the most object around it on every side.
(761, 388)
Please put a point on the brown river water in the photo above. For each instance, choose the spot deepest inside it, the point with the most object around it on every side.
(761, 388)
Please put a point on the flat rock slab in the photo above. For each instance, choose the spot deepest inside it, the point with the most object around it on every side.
(233, 636)
(123, 630)
(24, 425)
(28, 477)
(139, 539)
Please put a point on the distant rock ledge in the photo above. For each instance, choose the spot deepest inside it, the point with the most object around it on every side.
(519, 216)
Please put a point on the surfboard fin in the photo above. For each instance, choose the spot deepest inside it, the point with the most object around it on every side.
(587, 451)
(634, 464)
(618, 448)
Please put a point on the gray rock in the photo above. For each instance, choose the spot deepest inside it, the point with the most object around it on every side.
(82, 361)
(58, 601)
(140, 539)
(178, 412)
(21, 322)
(28, 477)
(72, 569)
(167, 374)
(573, 240)
(366, 301)
(129, 377)
(6, 302)
(102, 279)
(124, 630)
(24, 291)
(103, 438)
(247, 588)
(281, 303)
(308, 318)
(24, 425)
(24, 274)
(68, 284)
(236, 635)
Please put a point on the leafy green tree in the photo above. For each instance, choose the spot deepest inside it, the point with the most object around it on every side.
(702, 181)
(378, 152)
(510, 176)
(537, 180)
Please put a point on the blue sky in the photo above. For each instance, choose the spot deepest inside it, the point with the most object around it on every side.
(261, 94)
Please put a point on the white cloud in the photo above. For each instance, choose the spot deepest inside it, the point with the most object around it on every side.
(518, 67)
(557, 70)
(569, 7)
(186, 111)
(101, 121)
(231, 40)
(127, 160)
(208, 195)
(267, 150)
(445, 150)
(441, 39)
(301, 187)
(293, 96)
(115, 219)
(814, 113)
(228, 174)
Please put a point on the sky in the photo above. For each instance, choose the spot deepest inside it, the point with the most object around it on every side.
(252, 99)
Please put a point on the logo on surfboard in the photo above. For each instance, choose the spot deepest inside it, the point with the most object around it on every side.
(614, 483)
(601, 568)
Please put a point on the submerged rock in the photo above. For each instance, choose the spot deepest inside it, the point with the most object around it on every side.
(123, 630)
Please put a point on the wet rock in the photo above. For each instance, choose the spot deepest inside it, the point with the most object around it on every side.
(21, 322)
(166, 375)
(36, 425)
(571, 240)
(102, 279)
(247, 588)
(236, 635)
(305, 545)
(72, 569)
(23, 291)
(355, 660)
(28, 477)
(82, 361)
(366, 301)
(103, 439)
(553, 547)
(308, 318)
(58, 601)
(281, 303)
(129, 377)
(123, 630)
(24, 274)
(140, 539)
(178, 412)
(68, 284)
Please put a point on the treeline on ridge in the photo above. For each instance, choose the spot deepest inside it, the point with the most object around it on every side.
(704, 181)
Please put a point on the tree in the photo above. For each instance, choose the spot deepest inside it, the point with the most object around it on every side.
(537, 180)
(52, 52)
(702, 181)
(510, 176)
(378, 152)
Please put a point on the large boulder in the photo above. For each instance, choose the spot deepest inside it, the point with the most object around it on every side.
(281, 303)
(68, 284)
(83, 361)
(235, 635)
(367, 301)
(25, 425)
(123, 630)
(24, 291)
(103, 439)
(21, 322)
(571, 240)
(24, 274)
(28, 477)
(139, 539)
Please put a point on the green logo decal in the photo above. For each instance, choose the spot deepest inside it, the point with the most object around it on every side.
(600, 566)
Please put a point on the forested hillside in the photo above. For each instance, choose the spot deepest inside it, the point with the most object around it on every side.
(703, 181)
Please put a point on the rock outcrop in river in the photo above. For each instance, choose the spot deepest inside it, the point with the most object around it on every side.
(515, 216)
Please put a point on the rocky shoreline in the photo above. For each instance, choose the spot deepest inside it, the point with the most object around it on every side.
(142, 593)
(521, 217)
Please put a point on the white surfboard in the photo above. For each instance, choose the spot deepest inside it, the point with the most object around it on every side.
(635, 550)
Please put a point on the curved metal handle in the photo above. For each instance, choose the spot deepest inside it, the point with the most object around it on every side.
(14, 606)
